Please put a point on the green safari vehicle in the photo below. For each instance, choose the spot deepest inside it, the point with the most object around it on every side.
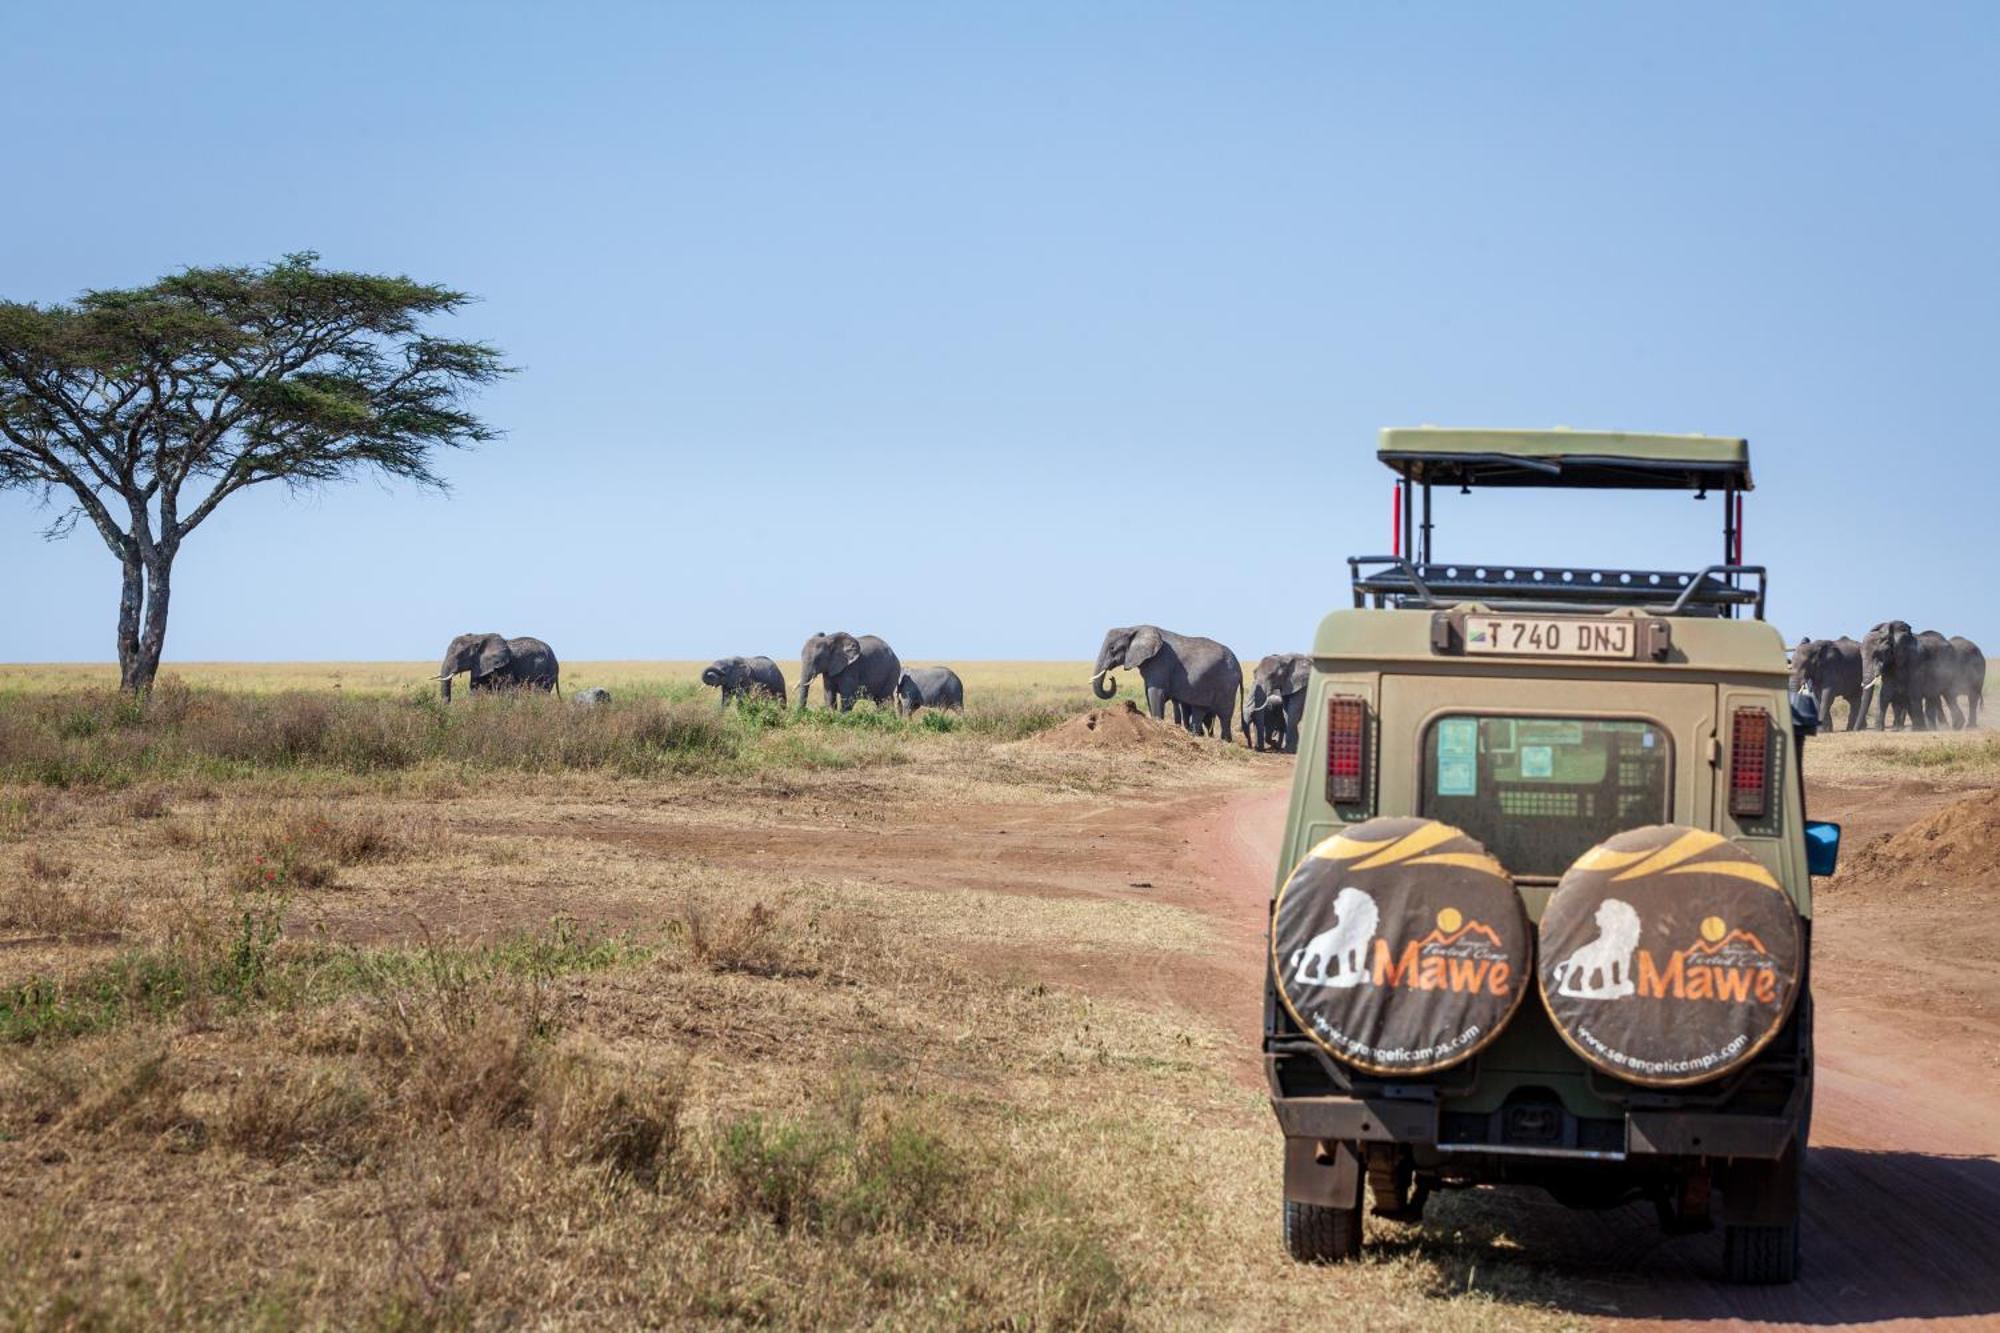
(1543, 907)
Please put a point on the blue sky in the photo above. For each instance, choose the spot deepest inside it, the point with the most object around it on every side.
(984, 328)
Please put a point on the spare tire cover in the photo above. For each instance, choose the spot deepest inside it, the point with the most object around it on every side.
(1669, 955)
(1401, 946)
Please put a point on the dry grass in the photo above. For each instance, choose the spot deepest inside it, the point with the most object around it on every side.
(1007, 680)
(1947, 759)
(724, 1097)
(85, 738)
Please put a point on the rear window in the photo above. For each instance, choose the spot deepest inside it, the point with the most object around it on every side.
(1541, 791)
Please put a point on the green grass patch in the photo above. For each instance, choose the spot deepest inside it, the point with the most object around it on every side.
(253, 964)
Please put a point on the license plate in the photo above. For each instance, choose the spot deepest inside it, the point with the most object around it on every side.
(1540, 636)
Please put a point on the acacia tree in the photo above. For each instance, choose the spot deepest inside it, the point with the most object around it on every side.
(142, 410)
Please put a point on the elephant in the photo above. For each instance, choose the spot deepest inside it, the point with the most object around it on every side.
(854, 668)
(743, 677)
(1967, 676)
(1264, 722)
(1830, 669)
(1277, 702)
(499, 664)
(1200, 674)
(592, 697)
(929, 687)
(1913, 672)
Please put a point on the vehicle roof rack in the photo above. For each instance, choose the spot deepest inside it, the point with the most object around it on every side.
(1424, 457)
(1570, 459)
(1717, 592)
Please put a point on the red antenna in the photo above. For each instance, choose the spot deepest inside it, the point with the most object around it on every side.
(1396, 520)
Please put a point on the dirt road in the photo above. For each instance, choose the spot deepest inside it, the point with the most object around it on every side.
(1903, 1177)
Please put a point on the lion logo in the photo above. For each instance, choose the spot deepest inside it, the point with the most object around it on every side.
(1344, 945)
(1602, 969)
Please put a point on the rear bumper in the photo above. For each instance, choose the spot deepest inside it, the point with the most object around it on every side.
(1647, 1133)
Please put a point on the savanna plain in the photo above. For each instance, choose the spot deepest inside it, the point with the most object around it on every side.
(324, 1003)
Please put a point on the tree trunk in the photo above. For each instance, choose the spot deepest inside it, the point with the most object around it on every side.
(153, 638)
(131, 598)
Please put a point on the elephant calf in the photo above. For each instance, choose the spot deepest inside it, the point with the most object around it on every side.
(1277, 701)
(742, 677)
(591, 697)
(929, 687)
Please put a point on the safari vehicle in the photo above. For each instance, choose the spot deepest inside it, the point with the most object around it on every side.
(1544, 900)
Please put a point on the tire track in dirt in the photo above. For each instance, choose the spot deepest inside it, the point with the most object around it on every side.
(1902, 1222)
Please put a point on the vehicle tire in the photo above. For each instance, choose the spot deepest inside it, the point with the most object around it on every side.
(1761, 1256)
(1316, 1234)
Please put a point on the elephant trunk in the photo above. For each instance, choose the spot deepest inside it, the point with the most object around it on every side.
(805, 689)
(1104, 685)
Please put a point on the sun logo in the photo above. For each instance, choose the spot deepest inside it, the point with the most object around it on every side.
(1450, 919)
(1713, 929)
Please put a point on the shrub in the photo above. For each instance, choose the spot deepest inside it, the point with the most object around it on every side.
(775, 1167)
(905, 1178)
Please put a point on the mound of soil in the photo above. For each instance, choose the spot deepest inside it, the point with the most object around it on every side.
(1958, 846)
(1124, 726)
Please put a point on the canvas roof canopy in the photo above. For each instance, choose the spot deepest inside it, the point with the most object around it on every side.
(1452, 456)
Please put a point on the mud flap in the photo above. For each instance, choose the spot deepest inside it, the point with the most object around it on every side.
(1760, 1192)
(1323, 1172)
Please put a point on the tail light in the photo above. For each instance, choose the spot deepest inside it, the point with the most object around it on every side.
(1346, 751)
(1750, 764)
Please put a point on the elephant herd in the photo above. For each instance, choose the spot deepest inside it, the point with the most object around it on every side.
(852, 668)
(1917, 678)
(1202, 680)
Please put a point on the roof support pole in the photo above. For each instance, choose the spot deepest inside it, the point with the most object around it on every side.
(1409, 519)
(1424, 556)
(1729, 534)
(1729, 525)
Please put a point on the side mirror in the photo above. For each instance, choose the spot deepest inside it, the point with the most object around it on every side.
(1822, 847)
(1805, 714)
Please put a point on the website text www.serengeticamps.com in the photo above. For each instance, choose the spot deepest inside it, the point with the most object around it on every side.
(1402, 1055)
(1694, 1064)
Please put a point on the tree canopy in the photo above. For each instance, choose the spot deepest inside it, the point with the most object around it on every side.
(142, 410)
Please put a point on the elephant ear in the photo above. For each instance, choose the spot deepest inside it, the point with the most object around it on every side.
(1291, 676)
(494, 655)
(1145, 643)
(848, 647)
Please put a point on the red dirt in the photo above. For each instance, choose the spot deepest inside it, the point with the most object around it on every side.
(1959, 844)
(1124, 727)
